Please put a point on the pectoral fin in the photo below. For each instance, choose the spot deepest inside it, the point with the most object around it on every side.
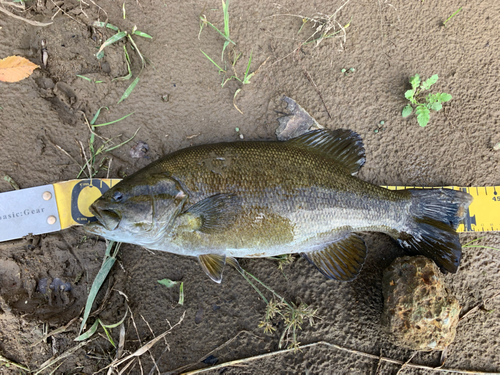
(340, 260)
(213, 265)
(214, 213)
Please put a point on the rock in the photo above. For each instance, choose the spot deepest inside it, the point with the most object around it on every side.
(418, 311)
(296, 123)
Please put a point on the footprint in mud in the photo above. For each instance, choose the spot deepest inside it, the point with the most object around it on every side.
(48, 302)
(55, 290)
(65, 93)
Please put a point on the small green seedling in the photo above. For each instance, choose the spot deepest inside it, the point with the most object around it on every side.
(115, 38)
(432, 101)
(225, 34)
(453, 15)
(169, 284)
(347, 71)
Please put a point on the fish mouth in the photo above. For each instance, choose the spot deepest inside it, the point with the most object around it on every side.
(108, 218)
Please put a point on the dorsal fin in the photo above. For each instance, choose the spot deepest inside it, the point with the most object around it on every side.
(342, 145)
(340, 260)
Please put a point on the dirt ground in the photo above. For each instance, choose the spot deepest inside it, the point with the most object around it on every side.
(178, 102)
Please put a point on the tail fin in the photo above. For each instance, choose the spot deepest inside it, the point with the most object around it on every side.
(431, 227)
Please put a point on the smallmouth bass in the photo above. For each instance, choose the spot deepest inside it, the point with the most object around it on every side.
(259, 199)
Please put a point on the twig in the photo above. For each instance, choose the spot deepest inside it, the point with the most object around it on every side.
(100, 9)
(149, 352)
(58, 330)
(87, 161)
(308, 76)
(65, 13)
(34, 23)
(64, 152)
(357, 352)
(2, 358)
(67, 353)
(478, 306)
(107, 176)
(146, 347)
(407, 362)
(180, 369)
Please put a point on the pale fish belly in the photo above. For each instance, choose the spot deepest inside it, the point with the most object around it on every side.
(314, 229)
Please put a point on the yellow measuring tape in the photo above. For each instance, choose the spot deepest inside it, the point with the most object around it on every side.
(75, 196)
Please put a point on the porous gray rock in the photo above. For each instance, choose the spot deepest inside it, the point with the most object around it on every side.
(419, 313)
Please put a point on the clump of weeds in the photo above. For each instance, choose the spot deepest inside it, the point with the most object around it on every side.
(92, 166)
(232, 54)
(423, 105)
(283, 260)
(115, 38)
(293, 316)
(325, 27)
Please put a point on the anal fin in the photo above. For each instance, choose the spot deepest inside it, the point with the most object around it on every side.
(340, 260)
(213, 265)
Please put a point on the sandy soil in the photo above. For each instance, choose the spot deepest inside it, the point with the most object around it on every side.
(179, 102)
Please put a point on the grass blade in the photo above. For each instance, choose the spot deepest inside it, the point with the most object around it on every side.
(86, 335)
(225, 9)
(181, 293)
(104, 24)
(247, 77)
(85, 78)
(110, 339)
(94, 119)
(115, 38)
(128, 91)
(484, 247)
(112, 122)
(226, 37)
(143, 62)
(453, 15)
(99, 280)
(127, 60)
(116, 324)
(213, 62)
(144, 35)
(167, 282)
(121, 144)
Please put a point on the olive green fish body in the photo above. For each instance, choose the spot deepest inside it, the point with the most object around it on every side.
(259, 199)
(290, 199)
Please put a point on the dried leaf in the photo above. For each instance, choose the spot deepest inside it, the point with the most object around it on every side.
(15, 68)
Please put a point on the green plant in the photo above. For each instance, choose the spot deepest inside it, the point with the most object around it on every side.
(432, 101)
(292, 315)
(169, 284)
(115, 38)
(247, 75)
(450, 17)
(225, 34)
(468, 244)
(105, 147)
(107, 264)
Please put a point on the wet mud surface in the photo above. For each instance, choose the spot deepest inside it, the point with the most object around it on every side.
(179, 101)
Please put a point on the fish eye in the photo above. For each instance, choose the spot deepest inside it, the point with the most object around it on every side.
(117, 196)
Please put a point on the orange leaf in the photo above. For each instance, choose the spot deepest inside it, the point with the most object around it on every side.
(15, 68)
